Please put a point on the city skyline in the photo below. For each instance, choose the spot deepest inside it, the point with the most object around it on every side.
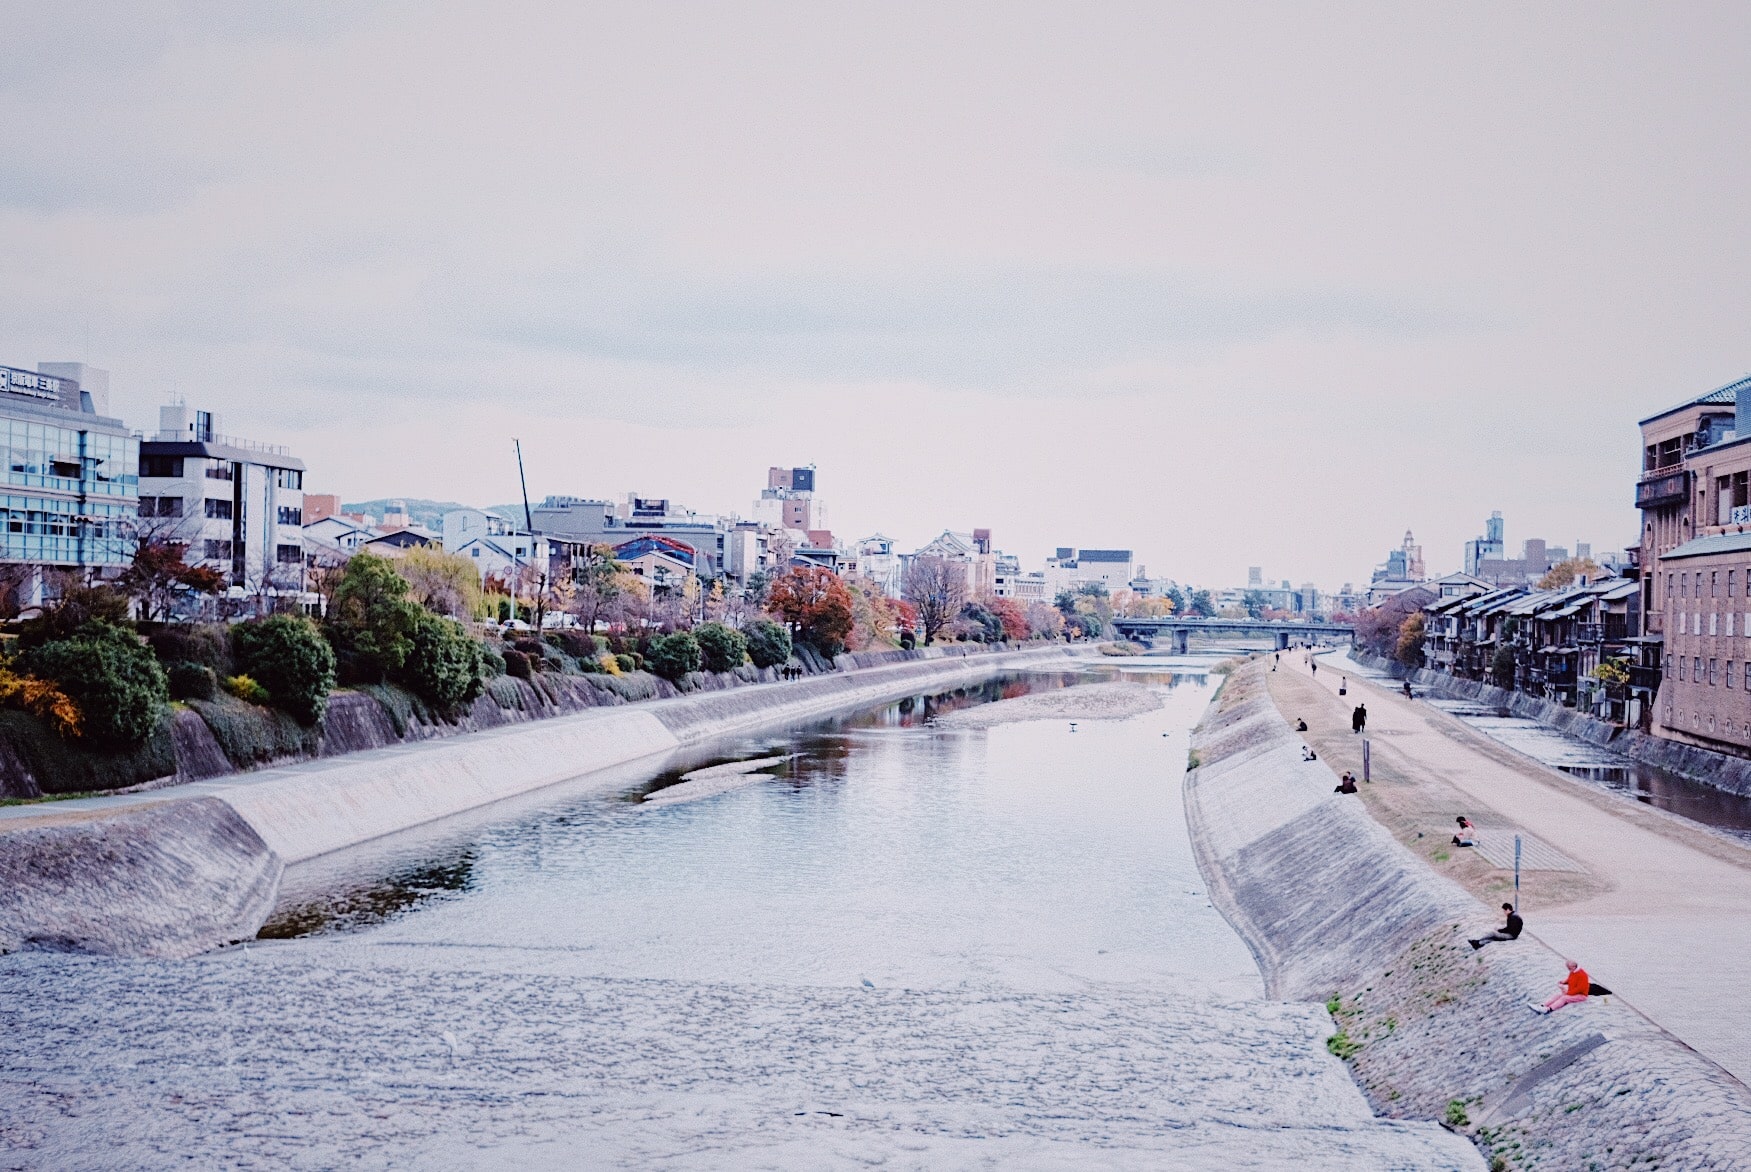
(1068, 281)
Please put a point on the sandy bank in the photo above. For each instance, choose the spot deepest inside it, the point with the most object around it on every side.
(1084, 702)
(717, 779)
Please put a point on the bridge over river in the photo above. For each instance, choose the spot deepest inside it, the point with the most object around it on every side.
(1282, 631)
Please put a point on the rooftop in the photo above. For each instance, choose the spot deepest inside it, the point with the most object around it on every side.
(1726, 395)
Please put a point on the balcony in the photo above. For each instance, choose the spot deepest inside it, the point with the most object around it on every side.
(1664, 489)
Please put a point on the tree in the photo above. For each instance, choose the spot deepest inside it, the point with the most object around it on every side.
(1409, 650)
(371, 619)
(673, 656)
(768, 643)
(1200, 604)
(160, 571)
(1177, 598)
(287, 655)
(1044, 622)
(937, 589)
(444, 583)
(1377, 631)
(817, 606)
(1011, 614)
(113, 679)
(1565, 572)
(1254, 602)
(721, 648)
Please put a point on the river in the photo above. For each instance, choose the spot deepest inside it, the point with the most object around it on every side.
(898, 944)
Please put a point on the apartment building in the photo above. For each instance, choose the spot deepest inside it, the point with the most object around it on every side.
(238, 505)
(71, 472)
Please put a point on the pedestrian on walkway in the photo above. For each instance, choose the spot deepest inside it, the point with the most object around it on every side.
(1315, 664)
(1343, 685)
(1407, 691)
(1359, 719)
(1508, 931)
(1573, 989)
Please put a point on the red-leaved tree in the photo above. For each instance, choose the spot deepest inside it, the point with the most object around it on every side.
(816, 605)
(1012, 615)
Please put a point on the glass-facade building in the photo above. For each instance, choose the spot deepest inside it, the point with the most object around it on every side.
(72, 475)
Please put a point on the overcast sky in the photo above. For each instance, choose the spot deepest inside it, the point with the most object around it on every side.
(1230, 285)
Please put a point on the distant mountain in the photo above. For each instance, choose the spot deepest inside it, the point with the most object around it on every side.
(421, 512)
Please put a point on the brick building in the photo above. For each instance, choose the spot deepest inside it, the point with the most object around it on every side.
(1696, 565)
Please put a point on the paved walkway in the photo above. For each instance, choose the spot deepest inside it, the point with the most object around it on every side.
(1666, 917)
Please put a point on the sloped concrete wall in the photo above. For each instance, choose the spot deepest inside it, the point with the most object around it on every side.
(1337, 911)
(171, 879)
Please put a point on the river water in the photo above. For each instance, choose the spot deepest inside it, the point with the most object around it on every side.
(898, 944)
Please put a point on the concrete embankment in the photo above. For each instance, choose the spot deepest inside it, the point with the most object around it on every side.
(1336, 910)
(175, 871)
(1720, 770)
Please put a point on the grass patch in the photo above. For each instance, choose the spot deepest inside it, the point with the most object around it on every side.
(1456, 1116)
(71, 768)
(251, 735)
(1193, 761)
(1343, 1046)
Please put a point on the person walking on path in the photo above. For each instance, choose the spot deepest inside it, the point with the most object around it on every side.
(1508, 931)
(1574, 989)
(1359, 719)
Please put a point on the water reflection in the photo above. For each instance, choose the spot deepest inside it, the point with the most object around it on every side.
(880, 847)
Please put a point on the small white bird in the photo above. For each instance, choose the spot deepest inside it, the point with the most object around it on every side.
(868, 984)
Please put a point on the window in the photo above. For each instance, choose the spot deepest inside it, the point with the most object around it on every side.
(1684, 585)
(219, 510)
(204, 426)
(1714, 623)
(1696, 669)
(171, 467)
(221, 470)
(1731, 574)
(1714, 581)
(1680, 658)
(289, 555)
(1729, 631)
(289, 477)
(1729, 674)
(1712, 664)
(218, 551)
(291, 516)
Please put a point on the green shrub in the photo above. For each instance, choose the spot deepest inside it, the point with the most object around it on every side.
(288, 656)
(578, 644)
(492, 661)
(115, 680)
(625, 663)
(768, 643)
(724, 649)
(77, 767)
(77, 608)
(445, 663)
(248, 690)
(673, 656)
(207, 644)
(191, 681)
(517, 664)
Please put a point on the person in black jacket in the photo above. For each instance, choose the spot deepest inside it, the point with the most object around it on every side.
(1508, 931)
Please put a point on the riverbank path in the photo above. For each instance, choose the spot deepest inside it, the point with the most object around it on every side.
(1661, 912)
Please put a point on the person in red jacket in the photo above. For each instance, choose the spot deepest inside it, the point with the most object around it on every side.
(1574, 988)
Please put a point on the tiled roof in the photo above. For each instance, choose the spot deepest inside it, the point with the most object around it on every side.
(1720, 396)
(1698, 547)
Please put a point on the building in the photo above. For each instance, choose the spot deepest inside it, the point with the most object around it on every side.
(877, 559)
(582, 521)
(662, 563)
(318, 505)
(788, 501)
(1069, 568)
(71, 478)
(1402, 569)
(1694, 495)
(238, 504)
(1489, 547)
(972, 551)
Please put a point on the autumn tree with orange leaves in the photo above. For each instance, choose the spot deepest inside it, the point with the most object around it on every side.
(816, 605)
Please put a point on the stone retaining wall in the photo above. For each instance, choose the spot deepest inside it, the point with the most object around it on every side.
(1337, 911)
(141, 888)
(1720, 770)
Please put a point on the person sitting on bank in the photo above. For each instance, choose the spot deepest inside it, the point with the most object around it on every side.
(1573, 989)
(1467, 835)
(1508, 931)
(1300, 725)
(1308, 754)
(1346, 784)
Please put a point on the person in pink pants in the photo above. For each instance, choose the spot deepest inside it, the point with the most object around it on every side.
(1574, 988)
